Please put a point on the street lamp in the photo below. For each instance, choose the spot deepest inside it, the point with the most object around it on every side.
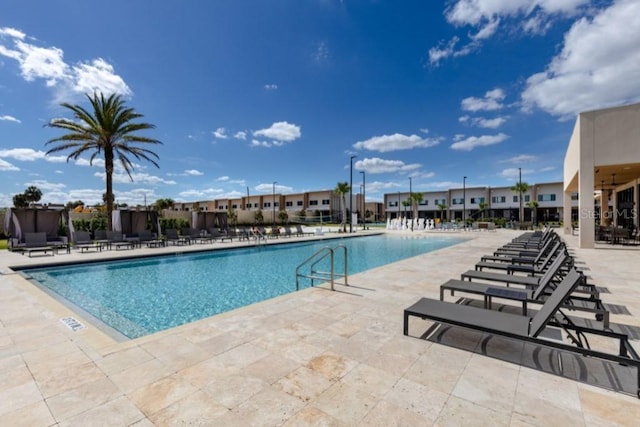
(520, 212)
(411, 200)
(364, 201)
(350, 192)
(274, 207)
(464, 202)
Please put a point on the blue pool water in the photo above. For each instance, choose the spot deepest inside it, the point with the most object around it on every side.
(140, 296)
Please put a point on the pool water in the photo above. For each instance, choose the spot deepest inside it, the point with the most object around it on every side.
(141, 296)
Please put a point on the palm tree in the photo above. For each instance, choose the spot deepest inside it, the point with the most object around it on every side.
(533, 205)
(416, 199)
(442, 207)
(482, 206)
(108, 131)
(341, 190)
(32, 194)
(520, 188)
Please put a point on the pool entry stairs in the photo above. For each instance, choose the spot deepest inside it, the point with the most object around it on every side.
(309, 269)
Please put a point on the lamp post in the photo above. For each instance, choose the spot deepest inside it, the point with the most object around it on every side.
(464, 202)
(364, 201)
(521, 211)
(398, 206)
(351, 192)
(411, 200)
(274, 207)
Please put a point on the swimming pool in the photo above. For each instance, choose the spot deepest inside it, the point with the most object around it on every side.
(137, 297)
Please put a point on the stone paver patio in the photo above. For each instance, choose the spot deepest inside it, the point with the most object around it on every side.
(314, 357)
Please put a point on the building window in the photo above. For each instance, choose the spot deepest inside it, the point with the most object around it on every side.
(234, 206)
(288, 204)
(515, 199)
(439, 202)
(299, 203)
(313, 203)
(475, 200)
(499, 199)
(458, 201)
(266, 205)
(527, 197)
(326, 202)
(276, 204)
(574, 196)
(393, 204)
(546, 197)
(424, 203)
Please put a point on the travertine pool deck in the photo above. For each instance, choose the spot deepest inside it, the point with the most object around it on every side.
(314, 357)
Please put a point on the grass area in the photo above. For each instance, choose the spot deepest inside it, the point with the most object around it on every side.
(3, 243)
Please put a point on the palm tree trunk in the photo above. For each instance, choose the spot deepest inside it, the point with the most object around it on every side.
(109, 178)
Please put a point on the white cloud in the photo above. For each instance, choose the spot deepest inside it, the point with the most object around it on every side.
(85, 162)
(395, 142)
(268, 188)
(377, 165)
(193, 172)
(240, 135)
(121, 177)
(512, 173)
(30, 155)
(46, 185)
(522, 158)
(321, 52)
(472, 142)
(492, 101)
(271, 86)
(98, 76)
(597, 67)
(47, 63)
(220, 133)
(207, 193)
(280, 132)
(222, 178)
(6, 166)
(487, 16)
(9, 119)
(483, 122)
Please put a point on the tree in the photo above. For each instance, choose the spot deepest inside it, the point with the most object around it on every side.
(442, 207)
(232, 215)
(533, 205)
(283, 216)
(32, 194)
(109, 131)
(342, 188)
(258, 216)
(416, 199)
(482, 206)
(520, 188)
(20, 201)
(162, 204)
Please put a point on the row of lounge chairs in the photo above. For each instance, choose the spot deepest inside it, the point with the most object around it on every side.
(533, 269)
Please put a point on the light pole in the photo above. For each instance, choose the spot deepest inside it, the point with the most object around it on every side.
(521, 211)
(411, 200)
(350, 192)
(464, 202)
(273, 231)
(364, 201)
(398, 206)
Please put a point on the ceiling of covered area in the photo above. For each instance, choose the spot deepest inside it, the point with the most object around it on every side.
(623, 174)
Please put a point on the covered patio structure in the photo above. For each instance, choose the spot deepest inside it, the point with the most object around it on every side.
(602, 165)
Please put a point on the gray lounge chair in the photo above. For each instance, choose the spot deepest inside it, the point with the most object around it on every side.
(37, 242)
(174, 238)
(116, 240)
(528, 329)
(82, 241)
(535, 295)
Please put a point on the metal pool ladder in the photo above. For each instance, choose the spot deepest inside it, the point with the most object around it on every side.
(314, 274)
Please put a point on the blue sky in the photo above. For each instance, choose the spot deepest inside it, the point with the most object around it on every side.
(245, 93)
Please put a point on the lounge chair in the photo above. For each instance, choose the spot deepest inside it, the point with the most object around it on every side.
(522, 264)
(535, 295)
(528, 329)
(536, 255)
(216, 234)
(174, 238)
(82, 241)
(37, 242)
(117, 240)
(301, 232)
